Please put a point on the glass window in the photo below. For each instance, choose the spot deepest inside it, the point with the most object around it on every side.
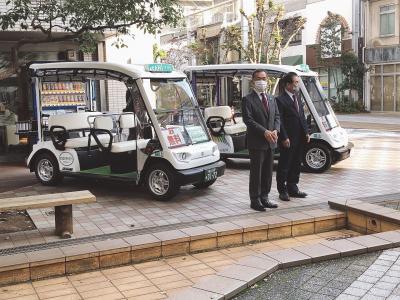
(387, 20)
(388, 68)
(177, 115)
(378, 69)
(376, 93)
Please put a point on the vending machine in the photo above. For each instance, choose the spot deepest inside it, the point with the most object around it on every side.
(64, 97)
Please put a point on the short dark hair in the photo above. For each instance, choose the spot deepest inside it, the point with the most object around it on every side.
(288, 78)
(256, 72)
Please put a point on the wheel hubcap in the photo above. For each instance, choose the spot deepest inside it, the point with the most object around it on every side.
(159, 182)
(316, 158)
(45, 170)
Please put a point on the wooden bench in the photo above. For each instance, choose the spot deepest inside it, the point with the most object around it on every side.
(62, 203)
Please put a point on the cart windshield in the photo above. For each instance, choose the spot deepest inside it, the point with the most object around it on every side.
(320, 102)
(177, 111)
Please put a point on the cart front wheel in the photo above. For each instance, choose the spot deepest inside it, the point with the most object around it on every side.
(161, 182)
(317, 158)
(46, 170)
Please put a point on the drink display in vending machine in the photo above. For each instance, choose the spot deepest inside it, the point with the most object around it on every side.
(63, 97)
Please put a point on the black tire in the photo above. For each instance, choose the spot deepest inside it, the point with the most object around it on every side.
(47, 170)
(204, 185)
(157, 172)
(317, 158)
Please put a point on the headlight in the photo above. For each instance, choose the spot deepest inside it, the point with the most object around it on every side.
(214, 149)
(182, 156)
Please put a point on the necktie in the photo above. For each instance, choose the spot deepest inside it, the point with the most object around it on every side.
(265, 102)
(296, 104)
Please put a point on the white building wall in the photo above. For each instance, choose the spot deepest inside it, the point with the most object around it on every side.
(139, 50)
(315, 12)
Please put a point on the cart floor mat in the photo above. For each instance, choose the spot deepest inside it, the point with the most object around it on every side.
(106, 171)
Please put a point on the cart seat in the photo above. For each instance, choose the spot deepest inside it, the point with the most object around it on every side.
(75, 122)
(131, 145)
(83, 141)
(225, 113)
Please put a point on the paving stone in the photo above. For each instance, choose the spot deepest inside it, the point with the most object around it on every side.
(318, 252)
(321, 297)
(288, 257)
(226, 228)
(171, 237)
(329, 291)
(372, 297)
(347, 297)
(390, 279)
(199, 232)
(379, 292)
(312, 287)
(355, 291)
(371, 242)
(368, 279)
(362, 285)
(195, 294)
(266, 264)
(385, 285)
(244, 273)
(221, 285)
(143, 241)
(345, 247)
(391, 236)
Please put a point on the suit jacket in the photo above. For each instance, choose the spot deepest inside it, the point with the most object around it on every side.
(258, 120)
(293, 123)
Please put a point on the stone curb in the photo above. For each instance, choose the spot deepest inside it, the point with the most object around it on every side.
(248, 270)
(121, 251)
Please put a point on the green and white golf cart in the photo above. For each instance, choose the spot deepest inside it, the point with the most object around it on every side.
(160, 142)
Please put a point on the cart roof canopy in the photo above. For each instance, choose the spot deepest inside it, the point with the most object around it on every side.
(301, 70)
(122, 72)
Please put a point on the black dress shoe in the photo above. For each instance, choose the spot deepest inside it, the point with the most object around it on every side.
(256, 205)
(268, 204)
(299, 194)
(284, 197)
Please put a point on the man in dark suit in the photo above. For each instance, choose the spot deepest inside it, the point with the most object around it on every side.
(261, 115)
(293, 136)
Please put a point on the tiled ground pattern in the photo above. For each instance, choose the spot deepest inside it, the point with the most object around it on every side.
(151, 280)
(317, 281)
(120, 208)
(380, 281)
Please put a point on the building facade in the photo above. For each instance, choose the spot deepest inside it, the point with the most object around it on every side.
(382, 55)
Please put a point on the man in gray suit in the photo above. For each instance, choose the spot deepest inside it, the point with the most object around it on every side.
(261, 115)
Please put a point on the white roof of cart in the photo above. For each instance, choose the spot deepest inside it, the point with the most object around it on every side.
(252, 67)
(134, 71)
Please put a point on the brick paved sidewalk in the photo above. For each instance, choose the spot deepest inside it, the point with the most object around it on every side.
(380, 281)
(156, 279)
(121, 208)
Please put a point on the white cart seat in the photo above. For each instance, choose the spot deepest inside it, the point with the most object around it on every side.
(225, 112)
(81, 142)
(232, 129)
(129, 145)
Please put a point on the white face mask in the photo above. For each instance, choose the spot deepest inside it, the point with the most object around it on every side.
(260, 86)
(296, 88)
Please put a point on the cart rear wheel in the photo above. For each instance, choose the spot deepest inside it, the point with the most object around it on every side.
(161, 182)
(47, 170)
(317, 158)
(204, 185)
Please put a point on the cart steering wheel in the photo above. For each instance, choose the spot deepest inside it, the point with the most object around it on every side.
(216, 125)
(58, 137)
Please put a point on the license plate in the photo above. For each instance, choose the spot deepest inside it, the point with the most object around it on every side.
(210, 174)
